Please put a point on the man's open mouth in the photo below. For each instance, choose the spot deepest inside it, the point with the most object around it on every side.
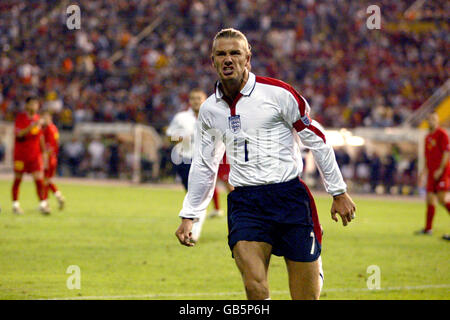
(228, 71)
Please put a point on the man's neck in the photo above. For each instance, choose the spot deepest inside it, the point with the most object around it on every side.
(232, 88)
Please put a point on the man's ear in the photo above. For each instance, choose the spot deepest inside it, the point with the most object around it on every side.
(247, 64)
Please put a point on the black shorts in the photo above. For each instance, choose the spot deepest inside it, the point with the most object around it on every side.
(283, 215)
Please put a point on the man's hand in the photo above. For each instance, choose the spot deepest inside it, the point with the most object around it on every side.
(184, 233)
(23, 132)
(438, 173)
(345, 207)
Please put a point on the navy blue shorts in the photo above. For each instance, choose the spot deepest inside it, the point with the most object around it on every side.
(183, 171)
(283, 215)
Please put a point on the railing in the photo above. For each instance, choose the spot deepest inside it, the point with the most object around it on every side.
(415, 118)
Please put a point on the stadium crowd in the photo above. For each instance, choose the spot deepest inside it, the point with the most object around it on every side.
(351, 76)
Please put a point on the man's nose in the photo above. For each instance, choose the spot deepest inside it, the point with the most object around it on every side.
(228, 60)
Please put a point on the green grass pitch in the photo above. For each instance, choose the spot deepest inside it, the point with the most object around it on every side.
(122, 239)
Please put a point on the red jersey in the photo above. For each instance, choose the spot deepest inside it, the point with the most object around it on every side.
(436, 143)
(51, 137)
(27, 147)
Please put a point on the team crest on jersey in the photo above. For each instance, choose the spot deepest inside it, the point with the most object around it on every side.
(306, 120)
(234, 122)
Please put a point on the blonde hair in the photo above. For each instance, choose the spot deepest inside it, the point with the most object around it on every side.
(232, 33)
(197, 89)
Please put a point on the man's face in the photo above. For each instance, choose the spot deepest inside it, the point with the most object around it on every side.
(32, 106)
(196, 98)
(230, 58)
(46, 116)
(433, 121)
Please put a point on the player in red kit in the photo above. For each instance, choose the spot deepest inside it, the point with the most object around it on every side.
(224, 172)
(51, 138)
(436, 171)
(28, 155)
(222, 175)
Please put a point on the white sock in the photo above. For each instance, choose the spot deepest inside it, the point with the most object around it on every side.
(43, 203)
(16, 204)
(58, 194)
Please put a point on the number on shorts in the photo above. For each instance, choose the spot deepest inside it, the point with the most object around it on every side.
(313, 242)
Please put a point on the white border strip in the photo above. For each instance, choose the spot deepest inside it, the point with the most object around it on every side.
(218, 294)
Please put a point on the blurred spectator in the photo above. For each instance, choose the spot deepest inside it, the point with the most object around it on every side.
(2, 152)
(362, 167)
(113, 158)
(96, 151)
(375, 171)
(389, 173)
(166, 165)
(342, 157)
(344, 161)
(408, 180)
(74, 152)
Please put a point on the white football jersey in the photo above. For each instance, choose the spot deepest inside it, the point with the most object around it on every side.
(182, 125)
(256, 130)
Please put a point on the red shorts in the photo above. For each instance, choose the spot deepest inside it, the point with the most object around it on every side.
(443, 184)
(28, 166)
(224, 172)
(50, 171)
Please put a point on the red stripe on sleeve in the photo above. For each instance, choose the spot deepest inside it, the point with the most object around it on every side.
(299, 125)
(318, 132)
(284, 85)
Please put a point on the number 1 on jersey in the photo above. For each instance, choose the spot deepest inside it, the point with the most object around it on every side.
(246, 150)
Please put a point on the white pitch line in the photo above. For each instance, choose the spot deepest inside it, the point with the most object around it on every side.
(178, 295)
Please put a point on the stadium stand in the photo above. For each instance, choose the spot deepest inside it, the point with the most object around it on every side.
(352, 76)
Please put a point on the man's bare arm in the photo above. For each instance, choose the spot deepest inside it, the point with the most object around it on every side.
(438, 173)
(23, 132)
(422, 176)
(45, 152)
